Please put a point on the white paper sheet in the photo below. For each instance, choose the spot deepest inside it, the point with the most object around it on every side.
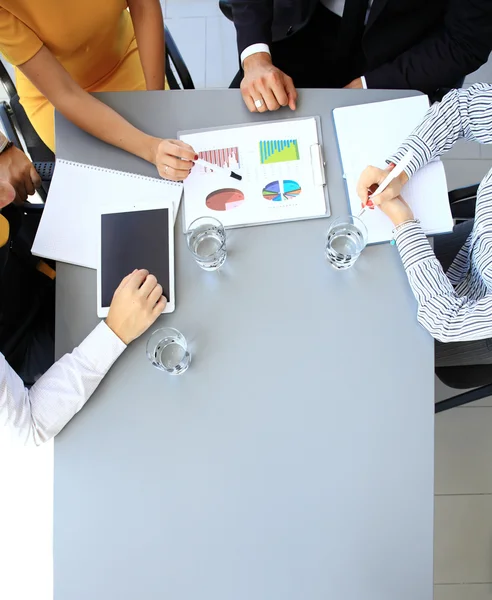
(279, 181)
(367, 135)
(69, 228)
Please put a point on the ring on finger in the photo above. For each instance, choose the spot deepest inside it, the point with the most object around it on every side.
(166, 169)
(259, 103)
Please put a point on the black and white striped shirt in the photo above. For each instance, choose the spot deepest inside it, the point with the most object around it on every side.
(455, 306)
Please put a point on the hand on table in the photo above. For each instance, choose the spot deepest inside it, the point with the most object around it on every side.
(17, 172)
(136, 304)
(264, 82)
(173, 159)
(356, 84)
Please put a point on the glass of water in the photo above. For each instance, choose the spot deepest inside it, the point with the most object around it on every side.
(346, 239)
(207, 242)
(168, 351)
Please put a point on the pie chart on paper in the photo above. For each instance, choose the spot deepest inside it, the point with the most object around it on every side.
(277, 191)
(224, 199)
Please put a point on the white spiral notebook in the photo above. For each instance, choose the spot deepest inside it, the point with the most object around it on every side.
(70, 226)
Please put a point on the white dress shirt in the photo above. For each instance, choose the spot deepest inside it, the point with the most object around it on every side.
(336, 6)
(36, 415)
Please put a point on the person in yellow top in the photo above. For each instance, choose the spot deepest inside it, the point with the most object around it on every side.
(65, 49)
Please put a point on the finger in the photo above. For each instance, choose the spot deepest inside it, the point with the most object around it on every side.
(389, 193)
(369, 176)
(148, 285)
(21, 195)
(257, 97)
(269, 97)
(155, 295)
(179, 151)
(35, 178)
(172, 174)
(291, 93)
(175, 163)
(29, 185)
(159, 307)
(183, 145)
(137, 278)
(250, 103)
(125, 280)
(273, 86)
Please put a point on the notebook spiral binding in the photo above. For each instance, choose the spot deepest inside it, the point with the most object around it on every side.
(124, 173)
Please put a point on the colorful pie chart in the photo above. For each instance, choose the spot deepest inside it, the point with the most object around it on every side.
(281, 190)
(225, 199)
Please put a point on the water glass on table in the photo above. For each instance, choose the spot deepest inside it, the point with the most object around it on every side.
(345, 240)
(168, 351)
(207, 242)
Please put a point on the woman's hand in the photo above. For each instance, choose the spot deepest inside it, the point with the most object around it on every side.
(174, 159)
(371, 177)
(136, 304)
(395, 208)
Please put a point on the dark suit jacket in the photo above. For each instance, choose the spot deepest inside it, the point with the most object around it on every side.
(407, 44)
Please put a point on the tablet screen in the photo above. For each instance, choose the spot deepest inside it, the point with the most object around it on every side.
(134, 240)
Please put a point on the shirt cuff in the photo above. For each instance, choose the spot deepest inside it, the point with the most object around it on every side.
(413, 245)
(254, 49)
(101, 348)
(364, 82)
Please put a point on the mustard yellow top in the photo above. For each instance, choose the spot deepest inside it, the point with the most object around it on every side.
(93, 39)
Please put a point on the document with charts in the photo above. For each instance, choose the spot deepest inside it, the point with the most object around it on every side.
(280, 169)
(367, 135)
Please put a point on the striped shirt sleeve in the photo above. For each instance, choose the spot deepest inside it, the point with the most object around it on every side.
(462, 113)
(447, 316)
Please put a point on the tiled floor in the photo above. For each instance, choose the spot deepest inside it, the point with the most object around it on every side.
(463, 507)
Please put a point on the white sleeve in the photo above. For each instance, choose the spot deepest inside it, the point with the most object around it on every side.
(38, 414)
(254, 49)
(364, 82)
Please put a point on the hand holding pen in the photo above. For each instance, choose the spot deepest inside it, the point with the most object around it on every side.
(377, 185)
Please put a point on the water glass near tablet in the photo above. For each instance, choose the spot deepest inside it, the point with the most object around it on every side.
(168, 351)
(345, 240)
(207, 242)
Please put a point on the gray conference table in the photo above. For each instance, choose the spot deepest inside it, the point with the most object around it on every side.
(294, 459)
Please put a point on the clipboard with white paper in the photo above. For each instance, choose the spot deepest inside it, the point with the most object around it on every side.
(281, 169)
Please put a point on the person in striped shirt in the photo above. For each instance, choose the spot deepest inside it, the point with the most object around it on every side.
(453, 283)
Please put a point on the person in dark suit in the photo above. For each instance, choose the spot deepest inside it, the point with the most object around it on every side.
(427, 45)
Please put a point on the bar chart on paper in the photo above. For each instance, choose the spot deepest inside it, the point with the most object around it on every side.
(275, 151)
(223, 157)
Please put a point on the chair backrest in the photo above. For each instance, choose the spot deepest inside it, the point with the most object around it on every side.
(466, 377)
(177, 73)
(226, 8)
(463, 202)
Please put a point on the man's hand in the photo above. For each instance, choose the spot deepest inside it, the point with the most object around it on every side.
(264, 82)
(136, 304)
(356, 84)
(18, 170)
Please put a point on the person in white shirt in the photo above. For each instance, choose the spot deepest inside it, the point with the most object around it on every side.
(37, 414)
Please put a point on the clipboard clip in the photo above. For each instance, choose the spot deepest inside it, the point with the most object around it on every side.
(318, 164)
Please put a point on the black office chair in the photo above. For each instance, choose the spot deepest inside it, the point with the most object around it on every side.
(14, 119)
(177, 73)
(478, 377)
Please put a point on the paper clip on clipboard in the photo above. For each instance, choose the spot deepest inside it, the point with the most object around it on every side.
(318, 165)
